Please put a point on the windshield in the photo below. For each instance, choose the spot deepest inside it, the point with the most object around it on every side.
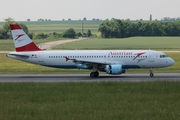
(163, 56)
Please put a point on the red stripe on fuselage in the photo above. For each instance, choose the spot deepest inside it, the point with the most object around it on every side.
(28, 47)
(15, 27)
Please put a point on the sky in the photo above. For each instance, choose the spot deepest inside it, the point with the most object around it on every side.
(21, 10)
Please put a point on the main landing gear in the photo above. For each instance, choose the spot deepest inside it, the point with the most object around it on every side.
(94, 74)
(151, 73)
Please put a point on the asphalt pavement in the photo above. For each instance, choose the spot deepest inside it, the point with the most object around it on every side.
(86, 78)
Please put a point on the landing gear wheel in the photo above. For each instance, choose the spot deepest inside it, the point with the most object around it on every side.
(151, 75)
(94, 74)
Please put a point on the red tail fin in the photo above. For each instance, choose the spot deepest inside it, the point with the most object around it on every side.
(22, 41)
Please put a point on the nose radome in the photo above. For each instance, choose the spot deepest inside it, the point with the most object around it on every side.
(171, 61)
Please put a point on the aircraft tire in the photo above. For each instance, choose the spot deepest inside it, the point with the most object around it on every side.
(92, 74)
(151, 75)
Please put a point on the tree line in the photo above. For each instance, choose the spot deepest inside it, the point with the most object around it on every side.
(125, 28)
(5, 32)
(114, 28)
(170, 19)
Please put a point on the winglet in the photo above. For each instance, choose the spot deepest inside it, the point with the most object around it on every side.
(22, 41)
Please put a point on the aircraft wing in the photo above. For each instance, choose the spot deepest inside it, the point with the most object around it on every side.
(90, 63)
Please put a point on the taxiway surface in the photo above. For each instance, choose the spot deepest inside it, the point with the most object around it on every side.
(86, 78)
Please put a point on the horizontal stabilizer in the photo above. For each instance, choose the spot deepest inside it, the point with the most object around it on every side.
(18, 55)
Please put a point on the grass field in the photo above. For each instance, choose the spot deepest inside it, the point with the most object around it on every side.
(90, 101)
(154, 43)
(8, 45)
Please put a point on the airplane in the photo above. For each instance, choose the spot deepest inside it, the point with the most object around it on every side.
(113, 62)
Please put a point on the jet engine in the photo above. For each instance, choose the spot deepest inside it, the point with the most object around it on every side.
(114, 69)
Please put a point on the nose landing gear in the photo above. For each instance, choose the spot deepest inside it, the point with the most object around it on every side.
(151, 73)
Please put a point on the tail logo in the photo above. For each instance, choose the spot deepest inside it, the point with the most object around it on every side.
(18, 36)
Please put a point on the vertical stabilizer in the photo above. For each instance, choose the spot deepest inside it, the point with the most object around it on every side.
(22, 41)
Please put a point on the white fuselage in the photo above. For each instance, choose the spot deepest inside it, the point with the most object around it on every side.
(126, 58)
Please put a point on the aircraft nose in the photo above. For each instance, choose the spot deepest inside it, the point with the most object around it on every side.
(171, 61)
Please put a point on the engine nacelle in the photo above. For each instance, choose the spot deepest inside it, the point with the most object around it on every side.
(114, 69)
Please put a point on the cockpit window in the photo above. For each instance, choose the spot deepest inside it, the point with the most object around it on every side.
(163, 56)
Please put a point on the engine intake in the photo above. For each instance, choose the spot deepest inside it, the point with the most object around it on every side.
(114, 69)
